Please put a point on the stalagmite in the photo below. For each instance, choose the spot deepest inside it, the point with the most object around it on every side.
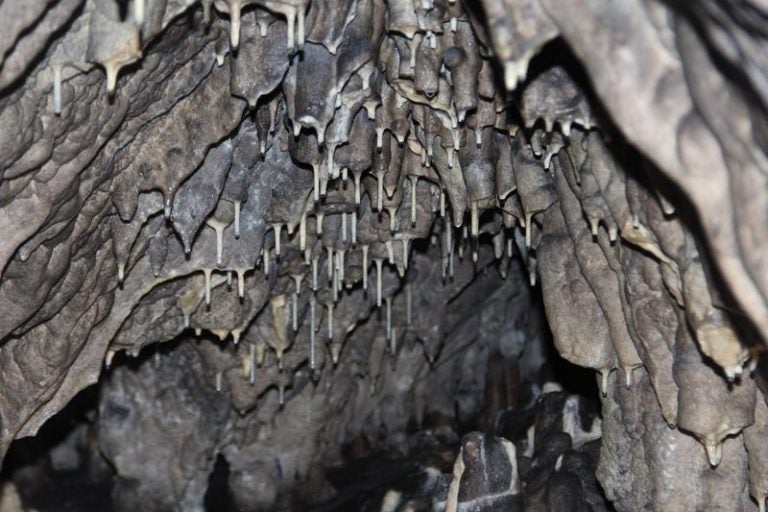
(329, 259)
(353, 225)
(365, 267)
(388, 301)
(344, 227)
(329, 306)
(265, 259)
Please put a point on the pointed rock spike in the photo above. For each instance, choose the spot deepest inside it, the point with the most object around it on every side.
(528, 229)
(378, 263)
(237, 219)
(56, 88)
(207, 274)
(240, 282)
(314, 272)
(408, 305)
(414, 182)
(319, 217)
(442, 203)
(277, 229)
(234, 23)
(604, 373)
(380, 191)
(312, 329)
(357, 188)
(303, 232)
(714, 452)
(108, 358)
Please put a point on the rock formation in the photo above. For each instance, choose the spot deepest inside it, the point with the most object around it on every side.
(266, 229)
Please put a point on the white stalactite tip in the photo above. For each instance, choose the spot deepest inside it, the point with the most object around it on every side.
(108, 359)
(237, 219)
(56, 89)
(234, 24)
(714, 452)
(414, 183)
(277, 228)
(378, 262)
(319, 217)
(207, 274)
(528, 229)
(290, 18)
(380, 191)
(240, 282)
(312, 329)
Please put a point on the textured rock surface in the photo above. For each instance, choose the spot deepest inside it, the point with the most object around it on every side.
(332, 212)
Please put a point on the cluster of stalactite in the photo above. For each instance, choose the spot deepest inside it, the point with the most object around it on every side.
(288, 176)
